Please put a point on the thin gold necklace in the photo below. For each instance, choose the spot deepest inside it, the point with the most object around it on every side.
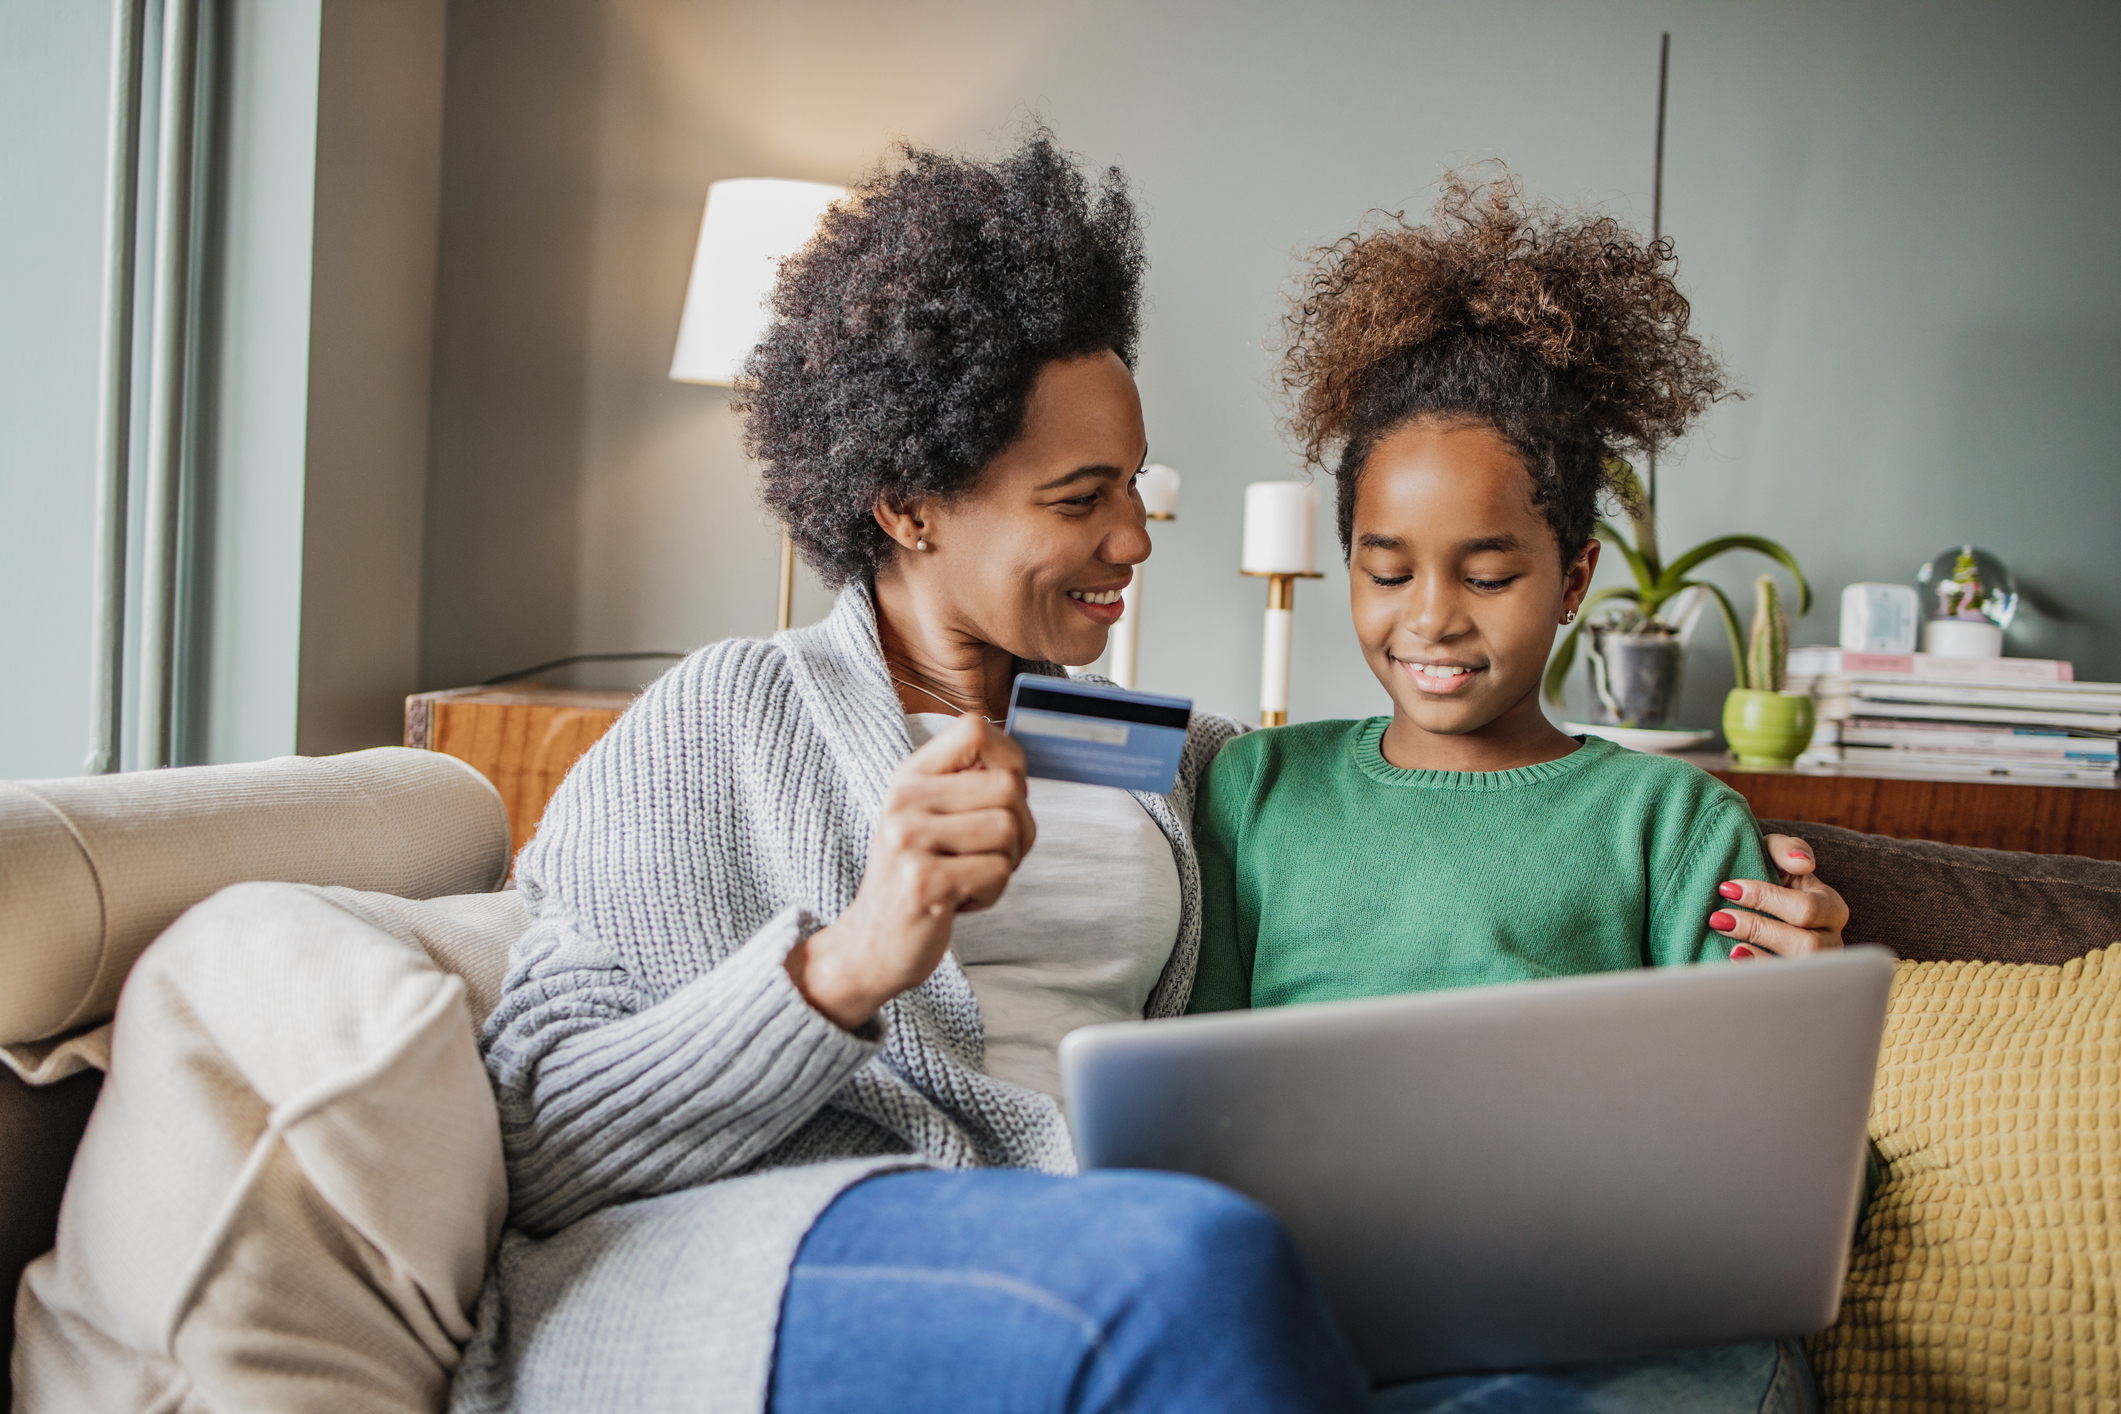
(925, 692)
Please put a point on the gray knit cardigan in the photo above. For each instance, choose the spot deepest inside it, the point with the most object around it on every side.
(675, 1114)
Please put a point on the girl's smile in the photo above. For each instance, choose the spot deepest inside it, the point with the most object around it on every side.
(1438, 679)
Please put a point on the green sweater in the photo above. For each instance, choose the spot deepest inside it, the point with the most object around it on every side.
(1328, 872)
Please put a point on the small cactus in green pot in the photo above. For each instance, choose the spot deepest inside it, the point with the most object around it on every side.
(1767, 651)
(1765, 725)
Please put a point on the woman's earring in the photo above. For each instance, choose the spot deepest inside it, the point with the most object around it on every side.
(1570, 617)
(921, 544)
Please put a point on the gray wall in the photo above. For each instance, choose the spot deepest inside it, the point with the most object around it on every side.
(1900, 223)
(371, 307)
(325, 298)
(1896, 220)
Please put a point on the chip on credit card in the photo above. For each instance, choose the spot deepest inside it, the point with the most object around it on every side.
(1100, 736)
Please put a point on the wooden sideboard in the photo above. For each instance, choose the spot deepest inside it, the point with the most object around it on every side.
(1998, 814)
(522, 738)
(525, 737)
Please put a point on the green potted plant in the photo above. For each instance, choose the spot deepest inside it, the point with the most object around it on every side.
(1637, 643)
(1765, 725)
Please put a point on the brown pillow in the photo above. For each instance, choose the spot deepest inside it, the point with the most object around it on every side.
(40, 1127)
(1945, 903)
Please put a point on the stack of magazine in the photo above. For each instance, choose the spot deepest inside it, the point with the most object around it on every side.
(2023, 718)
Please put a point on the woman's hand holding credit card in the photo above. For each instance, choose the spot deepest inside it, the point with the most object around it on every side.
(954, 826)
(1098, 735)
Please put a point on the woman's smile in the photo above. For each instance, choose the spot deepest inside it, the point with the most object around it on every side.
(1104, 606)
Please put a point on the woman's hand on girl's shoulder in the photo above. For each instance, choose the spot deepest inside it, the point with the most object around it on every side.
(1802, 914)
(955, 825)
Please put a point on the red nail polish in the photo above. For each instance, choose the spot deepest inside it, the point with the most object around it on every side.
(1730, 890)
(1741, 953)
(1722, 922)
(1800, 854)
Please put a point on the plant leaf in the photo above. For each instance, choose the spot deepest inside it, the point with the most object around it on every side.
(1563, 660)
(1645, 577)
(1731, 627)
(1669, 582)
(1635, 500)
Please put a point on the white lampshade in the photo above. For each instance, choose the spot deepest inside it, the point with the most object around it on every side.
(751, 225)
(1159, 488)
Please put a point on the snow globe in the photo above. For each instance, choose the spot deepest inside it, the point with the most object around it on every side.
(1969, 598)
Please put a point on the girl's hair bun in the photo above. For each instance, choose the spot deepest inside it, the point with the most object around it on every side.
(1562, 329)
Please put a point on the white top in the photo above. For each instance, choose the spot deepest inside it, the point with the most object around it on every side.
(1080, 935)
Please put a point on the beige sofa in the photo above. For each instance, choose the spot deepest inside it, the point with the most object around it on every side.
(291, 1184)
(284, 1194)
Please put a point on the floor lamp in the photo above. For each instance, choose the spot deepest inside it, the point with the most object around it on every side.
(750, 226)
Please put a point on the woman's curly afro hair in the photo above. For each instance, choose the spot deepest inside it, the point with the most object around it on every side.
(1563, 331)
(906, 335)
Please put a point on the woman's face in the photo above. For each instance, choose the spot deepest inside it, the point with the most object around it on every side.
(1032, 556)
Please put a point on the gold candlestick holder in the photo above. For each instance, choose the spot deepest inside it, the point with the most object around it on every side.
(1280, 637)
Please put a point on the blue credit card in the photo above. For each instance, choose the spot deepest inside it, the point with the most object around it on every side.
(1100, 736)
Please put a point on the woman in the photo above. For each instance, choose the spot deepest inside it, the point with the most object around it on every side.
(774, 1064)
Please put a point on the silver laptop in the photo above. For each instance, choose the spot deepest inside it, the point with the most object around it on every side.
(1531, 1174)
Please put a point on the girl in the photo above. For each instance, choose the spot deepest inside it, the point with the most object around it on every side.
(1471, 383)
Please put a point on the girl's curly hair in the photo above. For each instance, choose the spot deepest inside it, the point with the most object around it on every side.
(906, 335)
(1561, 330)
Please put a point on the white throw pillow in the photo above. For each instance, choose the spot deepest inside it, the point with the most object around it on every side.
(292, 1183)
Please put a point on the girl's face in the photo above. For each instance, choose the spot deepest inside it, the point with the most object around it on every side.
(1033, 555)
(1457, 587)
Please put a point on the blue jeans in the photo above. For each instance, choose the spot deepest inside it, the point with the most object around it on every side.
(1004, 1291)
(1770, 1378)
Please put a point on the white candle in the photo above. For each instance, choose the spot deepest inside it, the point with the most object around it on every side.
(1159, 488)
(1281, 527)
(1126, 634)
(1274, 672)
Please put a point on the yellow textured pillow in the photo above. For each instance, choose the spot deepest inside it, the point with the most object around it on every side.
(1984, 1274)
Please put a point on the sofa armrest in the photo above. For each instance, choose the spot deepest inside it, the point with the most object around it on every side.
(40, 1127)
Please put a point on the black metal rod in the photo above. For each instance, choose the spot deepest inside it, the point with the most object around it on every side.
(1664, 65)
